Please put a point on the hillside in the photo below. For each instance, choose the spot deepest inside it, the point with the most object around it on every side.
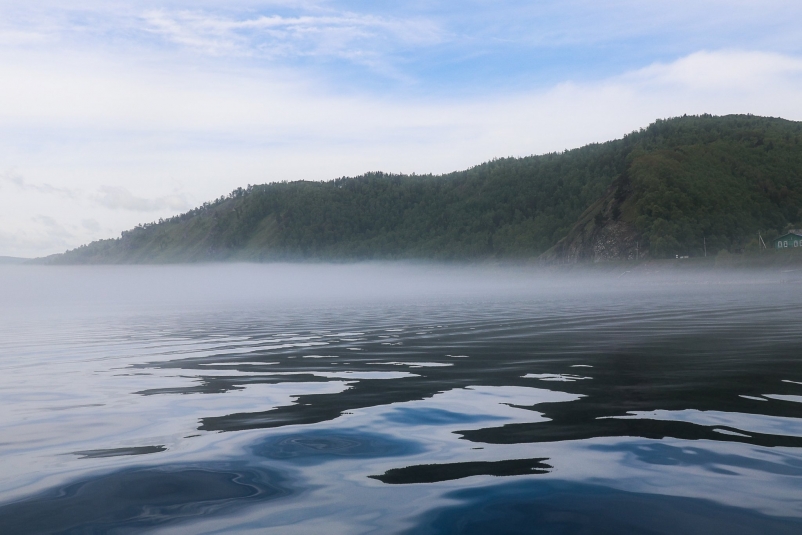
(664, 190)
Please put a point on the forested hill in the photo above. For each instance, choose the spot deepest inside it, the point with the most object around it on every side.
(665, 190)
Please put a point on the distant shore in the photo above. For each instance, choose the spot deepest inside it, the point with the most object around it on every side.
(13, 260)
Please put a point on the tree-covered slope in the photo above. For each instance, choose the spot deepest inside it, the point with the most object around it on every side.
(721, 182)
(693, 183)
(673, 184)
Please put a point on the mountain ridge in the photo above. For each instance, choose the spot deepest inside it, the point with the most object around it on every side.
(672, 188)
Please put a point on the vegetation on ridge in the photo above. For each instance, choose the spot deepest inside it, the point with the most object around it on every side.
(678, 182)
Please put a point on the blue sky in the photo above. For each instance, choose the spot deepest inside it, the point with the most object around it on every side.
(114, 113)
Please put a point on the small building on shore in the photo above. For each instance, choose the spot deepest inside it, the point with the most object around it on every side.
(792, 238)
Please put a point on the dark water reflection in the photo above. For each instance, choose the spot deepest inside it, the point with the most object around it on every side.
(141, 498)
(119, 452)
(432, 473)
(458, 405)
(320, 446)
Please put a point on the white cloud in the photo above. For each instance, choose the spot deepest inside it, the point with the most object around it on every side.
(721, 71)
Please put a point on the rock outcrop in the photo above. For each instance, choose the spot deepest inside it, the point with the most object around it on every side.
(602, 233)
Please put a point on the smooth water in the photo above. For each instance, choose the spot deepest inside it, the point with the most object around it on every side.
(399, 399)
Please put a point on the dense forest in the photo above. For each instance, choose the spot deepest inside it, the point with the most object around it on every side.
(678, 184)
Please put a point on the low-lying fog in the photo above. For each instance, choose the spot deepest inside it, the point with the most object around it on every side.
(332, 284)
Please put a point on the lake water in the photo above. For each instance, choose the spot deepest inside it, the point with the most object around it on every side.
(397, 398)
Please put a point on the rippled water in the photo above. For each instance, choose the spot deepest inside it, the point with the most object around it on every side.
(398, 399)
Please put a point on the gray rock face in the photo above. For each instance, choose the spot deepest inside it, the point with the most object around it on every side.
(600, 235)
(615, 241)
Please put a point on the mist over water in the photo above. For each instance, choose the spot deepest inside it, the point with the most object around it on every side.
(399, 398)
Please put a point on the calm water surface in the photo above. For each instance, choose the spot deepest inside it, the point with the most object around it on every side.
(398, 399)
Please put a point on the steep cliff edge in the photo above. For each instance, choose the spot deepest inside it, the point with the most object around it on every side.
(605, 231)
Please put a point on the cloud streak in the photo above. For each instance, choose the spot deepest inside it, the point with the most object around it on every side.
(347, 35)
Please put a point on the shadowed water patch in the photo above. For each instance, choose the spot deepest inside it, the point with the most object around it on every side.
(320, 446)
(554, 431)
(553, 507)
(432, 473)
(119, 452)
(141, 498)
(417, 416)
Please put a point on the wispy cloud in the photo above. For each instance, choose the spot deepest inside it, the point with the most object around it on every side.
(14, 38)
(441, 42)
(364, 39)
(54, 228)
(16, 179)
(117, 197)
(36, 235)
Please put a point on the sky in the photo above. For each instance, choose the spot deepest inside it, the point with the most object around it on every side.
(115, 113)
